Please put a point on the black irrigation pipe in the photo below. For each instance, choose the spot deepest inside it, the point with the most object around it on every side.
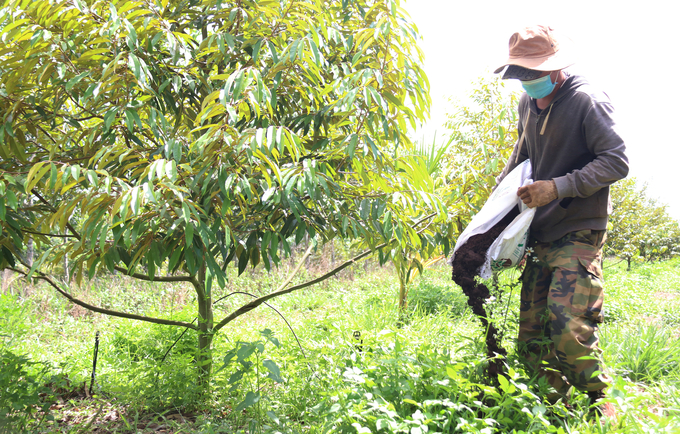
(175, 343)
(505, 316)
(94, 361)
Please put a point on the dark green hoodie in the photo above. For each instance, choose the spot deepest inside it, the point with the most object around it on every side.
(575, 141)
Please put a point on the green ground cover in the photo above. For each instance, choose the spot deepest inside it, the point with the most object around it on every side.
(414, 372)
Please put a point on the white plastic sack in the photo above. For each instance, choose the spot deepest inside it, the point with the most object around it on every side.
(511, 242)
(508, 249)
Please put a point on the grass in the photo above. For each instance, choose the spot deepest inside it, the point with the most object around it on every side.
(417, 372)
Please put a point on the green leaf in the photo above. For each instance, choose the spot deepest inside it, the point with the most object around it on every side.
(365, 209)
(109, 117)
(171, 171)
(274, 371)
(132, 35)
(243, 261)
(174, 259)
(132, 118)
(235, 377)
(256, 49)
(190, 260)
(75, 80)
(189, 234)
(91, 177)
(150, 265)
(11, 199)
(267, 333)
(274, 247)
(80, 5)
(238, 81)
(352, 145)
(245, 351)
(251, 399)
(135, 200)
(186, 214)
(53, 175)
(259, 137)
(37, 264)
(75, 172)
(254, 256)
(503, 382)
(315, 52)
(33, 175)
(273, 417)
(136, 66)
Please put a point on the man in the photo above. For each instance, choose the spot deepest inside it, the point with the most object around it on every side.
(568, 132)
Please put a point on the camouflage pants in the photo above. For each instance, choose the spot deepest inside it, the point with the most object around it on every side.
(561, 305)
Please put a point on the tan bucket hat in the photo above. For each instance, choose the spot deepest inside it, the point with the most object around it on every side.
(539, 48)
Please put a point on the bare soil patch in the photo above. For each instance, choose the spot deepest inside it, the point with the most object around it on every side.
(667, 296)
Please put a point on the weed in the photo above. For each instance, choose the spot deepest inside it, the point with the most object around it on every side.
(25, 400)
(430, 296)
(424, 376)
(646, 353)
(252, 371)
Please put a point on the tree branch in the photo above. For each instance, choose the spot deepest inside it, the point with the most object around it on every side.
(101, 310)
(297, 268)
(121, 269)
(54, 210)
(156, 278)
(47, 235)
(282, 288)
(47, 134)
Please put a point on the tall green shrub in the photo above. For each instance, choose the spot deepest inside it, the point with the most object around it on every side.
(169, 139)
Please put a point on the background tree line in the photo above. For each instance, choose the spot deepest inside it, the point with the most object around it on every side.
(640, 227)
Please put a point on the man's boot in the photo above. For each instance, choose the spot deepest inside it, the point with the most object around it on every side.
(605, 409)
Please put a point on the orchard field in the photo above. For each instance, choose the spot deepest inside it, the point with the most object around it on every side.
(221, 206)
(417, 371)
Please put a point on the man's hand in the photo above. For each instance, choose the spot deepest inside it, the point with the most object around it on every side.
(538, 194)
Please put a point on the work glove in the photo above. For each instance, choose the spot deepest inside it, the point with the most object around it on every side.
(538, 194)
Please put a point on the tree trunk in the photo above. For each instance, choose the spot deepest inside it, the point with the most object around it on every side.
(307, 259)
(29, 244)
(67, 273)
(205, 327)
(6, 279)
(403, 281)
(29, 252)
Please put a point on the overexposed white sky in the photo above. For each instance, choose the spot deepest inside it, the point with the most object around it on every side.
(629, 49)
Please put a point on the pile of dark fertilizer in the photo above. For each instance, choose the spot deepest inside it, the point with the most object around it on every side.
(466, 263)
